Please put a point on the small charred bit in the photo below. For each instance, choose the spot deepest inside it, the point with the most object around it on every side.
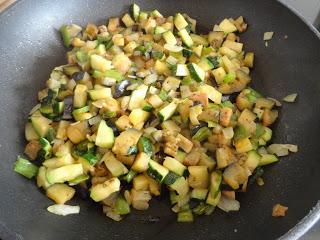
(114, 128)
(77, 76)
(121, 89)
(68, 107)
(195, 129)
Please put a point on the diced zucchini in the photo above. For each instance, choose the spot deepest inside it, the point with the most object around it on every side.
(130, 175)
(155, 13)
(127, 20)
(196, 72)
(267, 159)
(219, 74)
(135, 11)
(186, 52)
(30, 132)
(159, 30)
(181, 186)
(202, 134)
(122, 207)
(185, 216)
(100, 63)
(46, 149)
(169, 38)
(198, 176)
(141, 163)
(42, 179)
(143, 16)
(157, 171)
(267, 134)
(103, 190)
(243, 145)
(64, 173)
(208, 63)
(80, 96)
(166, 112)
(137, 97)
(101, 93)
(115, 167)
(182, 70)
(66, 36)
(174, 165)
(199, 193)
(180, 22)
(145, 145)
(186, 39)
(180, 156)
(233, 45)
(253, 160)
(105, 135)
(213, 94)
(199, 40)
(197, 50)
(138, 117)
(214, 193)
(79, 179)
(25, 168)
(227, 26)
(60, 193)
(40, 124)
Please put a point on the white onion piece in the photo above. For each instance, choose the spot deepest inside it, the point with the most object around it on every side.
(228, 132)
(278, 104)
(227, 204)
(63, 210)
(290, 98)
(267, 36)
(173, 48)
(282, 149)
(151, 78)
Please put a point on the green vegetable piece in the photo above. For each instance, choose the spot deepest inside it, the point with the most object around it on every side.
(66, 37)
(122, 207)
(25, 168)
(214, 61)
(145, 145)
(170, 178)
(51, 134)
(91, 158)
(240, 132)
(81, 178)
(260, 130)
(129, 176)
(82, 56)
(163, 95)
(132, 150)
(202, 134)
(45, 151)
(230, 77)
(185, 216)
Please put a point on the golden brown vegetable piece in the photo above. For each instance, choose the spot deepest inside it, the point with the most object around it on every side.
(32, 149)
(125, 140)
(60, 193)
(171, 144)
(269, 117)
(192, 158)
(225, 116)
(77, 132)
(279, 210)
(184, 143)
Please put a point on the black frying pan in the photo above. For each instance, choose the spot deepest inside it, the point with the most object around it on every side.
(30, 47)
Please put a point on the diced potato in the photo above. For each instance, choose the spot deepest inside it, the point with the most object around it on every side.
(199, 177)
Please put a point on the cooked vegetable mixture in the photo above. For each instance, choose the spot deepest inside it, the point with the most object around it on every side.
(146, 102)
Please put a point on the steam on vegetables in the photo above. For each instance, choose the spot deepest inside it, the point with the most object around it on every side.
(143, 102)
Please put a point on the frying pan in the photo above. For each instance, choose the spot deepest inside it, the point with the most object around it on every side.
(30, 47)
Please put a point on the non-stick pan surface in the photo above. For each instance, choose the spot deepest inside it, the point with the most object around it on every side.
(30, 47)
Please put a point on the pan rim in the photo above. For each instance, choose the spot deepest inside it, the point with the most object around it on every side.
(299, 230)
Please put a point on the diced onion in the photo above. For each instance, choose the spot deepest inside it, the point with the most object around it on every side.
(94, 120)
(290, 98)
(111, 213)
(152, 78)
(267, 36)
(34, 109)
(63, 210)
(278, 104)
(172, 60)
(282, 149)
(227, 204)
(228, 132)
